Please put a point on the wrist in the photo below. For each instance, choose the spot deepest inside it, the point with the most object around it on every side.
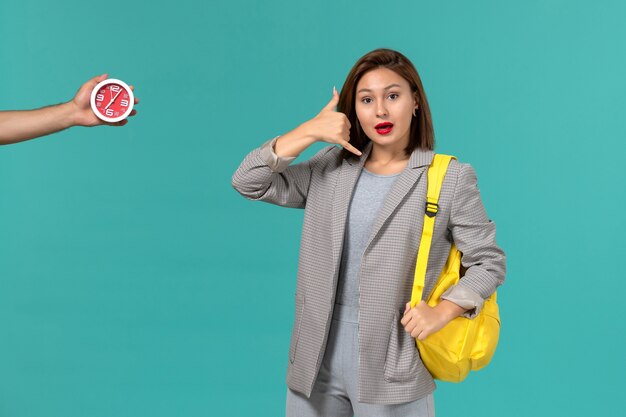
(448, 310)
(305, 132)
(68, 114)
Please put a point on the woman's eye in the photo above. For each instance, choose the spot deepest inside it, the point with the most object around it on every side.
(393, 96)
(366, 100)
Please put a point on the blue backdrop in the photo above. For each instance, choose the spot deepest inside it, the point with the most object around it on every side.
(126, 279)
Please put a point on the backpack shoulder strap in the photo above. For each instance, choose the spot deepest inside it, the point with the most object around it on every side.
(436, 173)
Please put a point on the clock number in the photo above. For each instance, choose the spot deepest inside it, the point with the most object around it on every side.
(124, 103)
(99, 97)
(109, 112)
(115, 88)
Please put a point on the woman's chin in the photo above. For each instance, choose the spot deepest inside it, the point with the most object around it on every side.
(386, 140)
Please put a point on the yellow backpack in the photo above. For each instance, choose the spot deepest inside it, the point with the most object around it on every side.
(463, 344)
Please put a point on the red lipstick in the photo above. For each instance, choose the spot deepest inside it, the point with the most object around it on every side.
(383, 128)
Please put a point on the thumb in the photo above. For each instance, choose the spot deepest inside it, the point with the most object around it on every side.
(89, 85)
(407, 307)
(332, 104)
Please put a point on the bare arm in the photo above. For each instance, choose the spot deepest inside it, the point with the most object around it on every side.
(17, 126)
(20, 125)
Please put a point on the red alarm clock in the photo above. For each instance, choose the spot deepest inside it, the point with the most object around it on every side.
(112, 100)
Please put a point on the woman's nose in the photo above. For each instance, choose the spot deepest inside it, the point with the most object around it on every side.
(381, 110)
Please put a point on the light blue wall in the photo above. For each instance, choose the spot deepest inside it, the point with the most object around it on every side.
(127, 279)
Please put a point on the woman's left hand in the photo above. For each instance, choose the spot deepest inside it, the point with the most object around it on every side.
(424, 320)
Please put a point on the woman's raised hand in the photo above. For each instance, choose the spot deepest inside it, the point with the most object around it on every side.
(328, 126)
(332, 126)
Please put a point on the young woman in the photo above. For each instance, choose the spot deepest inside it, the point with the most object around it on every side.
(353, 341)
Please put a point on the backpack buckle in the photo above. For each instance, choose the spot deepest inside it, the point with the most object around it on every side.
(431, 209)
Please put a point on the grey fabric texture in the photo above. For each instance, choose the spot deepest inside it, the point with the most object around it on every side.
(368, 198)
(390, 368)
(335, 390)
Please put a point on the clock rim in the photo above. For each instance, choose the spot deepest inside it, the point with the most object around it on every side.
(106, 118)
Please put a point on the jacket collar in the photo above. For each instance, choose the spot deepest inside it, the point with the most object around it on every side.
(349, 173)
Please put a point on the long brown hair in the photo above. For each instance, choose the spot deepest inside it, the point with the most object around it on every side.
(421, 134)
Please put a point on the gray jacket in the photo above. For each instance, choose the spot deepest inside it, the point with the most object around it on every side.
(390, 368)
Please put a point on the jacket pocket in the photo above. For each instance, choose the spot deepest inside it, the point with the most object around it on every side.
(295, 331)
(401, 361)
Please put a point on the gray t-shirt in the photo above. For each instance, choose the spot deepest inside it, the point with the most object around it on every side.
(367, 200)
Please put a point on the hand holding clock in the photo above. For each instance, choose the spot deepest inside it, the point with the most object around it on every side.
(85, 101)
(21, 125)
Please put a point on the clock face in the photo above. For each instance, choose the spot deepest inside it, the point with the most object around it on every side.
(112, 100)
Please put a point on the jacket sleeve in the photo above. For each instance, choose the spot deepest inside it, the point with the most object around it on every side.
(265, 176)
(475, 236)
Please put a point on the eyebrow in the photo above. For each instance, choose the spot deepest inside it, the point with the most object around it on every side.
(386, 88)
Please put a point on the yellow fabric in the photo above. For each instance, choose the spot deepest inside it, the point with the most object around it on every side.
(463, 344)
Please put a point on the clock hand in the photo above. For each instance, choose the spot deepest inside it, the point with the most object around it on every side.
(113, 99)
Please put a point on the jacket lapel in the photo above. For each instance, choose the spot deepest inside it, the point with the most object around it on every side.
(418, 163)
(349, 173)
(350, 170)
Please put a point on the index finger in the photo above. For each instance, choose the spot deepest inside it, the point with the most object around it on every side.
(346, 145)
(405, 319)
(95, 80)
